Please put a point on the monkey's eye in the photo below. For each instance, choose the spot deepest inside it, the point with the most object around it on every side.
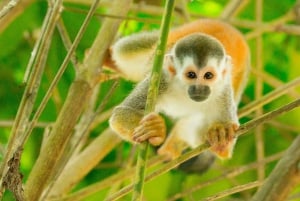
(191, 75)
(208, 75)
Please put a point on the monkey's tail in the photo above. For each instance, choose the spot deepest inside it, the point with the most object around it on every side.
(198, 164)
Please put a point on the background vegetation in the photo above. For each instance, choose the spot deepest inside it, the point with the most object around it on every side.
(71, 155)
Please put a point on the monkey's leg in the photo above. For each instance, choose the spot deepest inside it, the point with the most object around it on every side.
(222, 138)
(152, 128)
(173, 146)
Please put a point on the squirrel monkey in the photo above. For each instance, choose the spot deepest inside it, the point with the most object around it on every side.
(204, 74)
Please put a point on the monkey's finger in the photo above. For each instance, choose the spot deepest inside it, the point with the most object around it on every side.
(151, 117)
(212, 138)
(146, 136)
(157, 128)
(137, 132)
(221, 134)
(141, 130)
(230, 133)
(153, 124)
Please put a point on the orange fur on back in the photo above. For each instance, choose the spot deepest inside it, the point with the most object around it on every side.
(232, 40)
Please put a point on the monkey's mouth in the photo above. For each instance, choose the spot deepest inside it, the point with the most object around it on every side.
(198, 98)
(198, 92)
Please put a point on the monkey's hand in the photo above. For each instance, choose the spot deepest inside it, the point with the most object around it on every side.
(222, 138)
(152, 128)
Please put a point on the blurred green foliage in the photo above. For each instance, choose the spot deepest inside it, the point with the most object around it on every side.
(281, 59)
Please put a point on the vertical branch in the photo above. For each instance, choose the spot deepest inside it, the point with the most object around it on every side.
(258, 94)
(152, 96)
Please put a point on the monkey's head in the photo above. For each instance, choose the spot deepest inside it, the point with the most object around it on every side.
(199, 61)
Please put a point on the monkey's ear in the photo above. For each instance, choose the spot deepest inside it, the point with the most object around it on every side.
(228, 65)
(170, 64)
(228, 61)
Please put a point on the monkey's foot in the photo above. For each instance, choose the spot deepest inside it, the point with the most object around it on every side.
(152, 128)
(169, 152)
(172, 148)
(222, 139)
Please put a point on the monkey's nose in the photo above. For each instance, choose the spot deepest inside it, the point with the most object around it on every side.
(198, 92)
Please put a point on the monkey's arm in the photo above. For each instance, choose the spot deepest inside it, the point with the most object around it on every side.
(221, 134)
(129, 122)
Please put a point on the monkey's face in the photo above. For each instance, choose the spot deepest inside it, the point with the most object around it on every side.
(199, 82)
(198, 61)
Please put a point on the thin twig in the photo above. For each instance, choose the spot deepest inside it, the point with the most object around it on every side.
(233, 190)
